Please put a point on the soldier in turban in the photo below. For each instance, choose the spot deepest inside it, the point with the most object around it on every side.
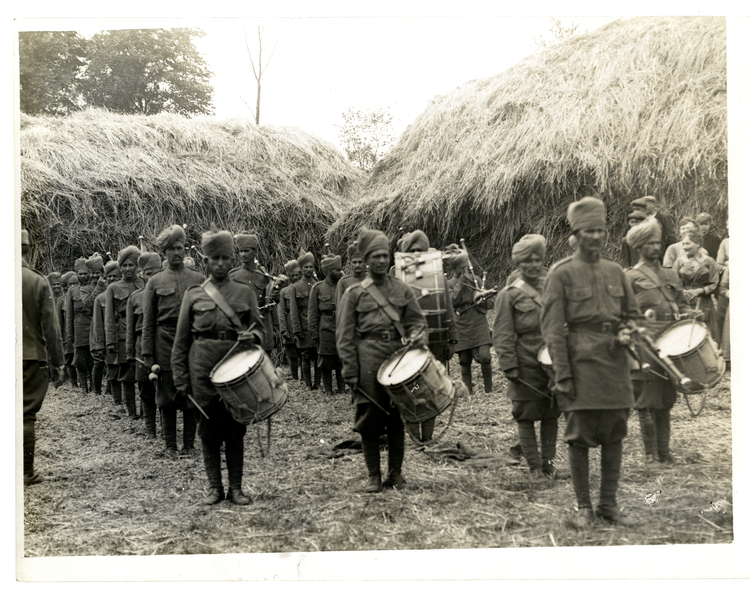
(365, 338)
(68, 280)
(79, 307)
(586, 305)
(298, 317)
(285, 325)
(356, 264)
(97, 337)
(205, 334)
(321, 318)
(162, 297)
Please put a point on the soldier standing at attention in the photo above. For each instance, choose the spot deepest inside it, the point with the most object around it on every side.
(285, 324)
(162, 297)
(54, 279)
(69, 280)
(148, 262)
(357, 268)
(78, 323)
(586, 302)
(98, 338)
(205, 334)
(321, 315)
(373, 317)
(255, 276)
(115, 327)
(298, 316)
(42, 353)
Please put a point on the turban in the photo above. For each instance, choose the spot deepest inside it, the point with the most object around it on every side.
(306, 258)
(291, 267)
(128, 254)
(110, 267)
(246, 240)
(527, 245)
(53, 277)
(25, 237)
(170, 236)
(67, 277)
(149, 261)
(330, 263)
(95, 263)
(217, 243)
(651, 200)
(371, 240)
(638, 215)
(648, 230)
(282, 281)
(79, 264)
(189, 262)
(353, 251)
(587, 213)
(417, 237)
(456, 257)
(638, 203)
(703, 218)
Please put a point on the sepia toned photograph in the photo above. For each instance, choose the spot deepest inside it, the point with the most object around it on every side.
(376, 297)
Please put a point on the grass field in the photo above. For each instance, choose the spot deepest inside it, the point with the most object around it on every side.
(108, 490)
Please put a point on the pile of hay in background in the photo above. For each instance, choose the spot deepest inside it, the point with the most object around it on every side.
(637, 107)
(95, 181)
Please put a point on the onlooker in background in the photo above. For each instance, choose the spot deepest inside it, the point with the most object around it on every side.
(722, 257)
(42, 348)
(630, 256)
(654, 209)
(675, 250)
(724, 343)
(711, 241)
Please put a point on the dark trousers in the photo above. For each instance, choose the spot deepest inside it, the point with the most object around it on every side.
(221, 427)
(35, 384)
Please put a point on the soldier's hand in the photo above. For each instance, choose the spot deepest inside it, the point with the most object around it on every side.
(565, 386)
(352, 383)
(623, 336)
(512, 375)
(248, 337)
(112, 348)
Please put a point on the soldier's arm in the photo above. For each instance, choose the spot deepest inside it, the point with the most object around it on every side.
(69, 315)
(346, 323)
(183, 339)
(294, 314)
(149, 322)
(313, 312)
(130, 331)
(50, 327)
(110, 323)
(503, 332)
(553, 326)
(281, 313)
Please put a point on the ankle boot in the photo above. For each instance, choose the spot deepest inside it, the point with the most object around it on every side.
(327, 376)
(466, 377)
(395, 434)
(114, 386)
(211, 452)
(72, 374)
(428, 428)
(648, 434)
(487, 377)
(663, 429)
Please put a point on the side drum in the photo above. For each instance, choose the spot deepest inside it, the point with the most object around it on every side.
(417, 383)
(689, 345)
(249, 385)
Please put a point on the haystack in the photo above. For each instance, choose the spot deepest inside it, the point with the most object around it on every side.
(634, 108)
(96, 181)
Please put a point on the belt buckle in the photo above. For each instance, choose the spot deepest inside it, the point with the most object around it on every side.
(607, 327)
(222, 335)
(385, 336)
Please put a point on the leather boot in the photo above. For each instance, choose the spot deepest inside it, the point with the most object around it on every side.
(98, 374)
(211, 452)
(527, 437)
(648, 434)
(327, 376)
(579, 472)
(83, 380)
(340, 384)
(149, 415)
(487, 377)
(371, 453)
(316, 380)
(29, 444)
(428, 427)
(189, 425)
(663, 429)
(548, 435)
(114, 386)
(395, 434)
(611, 462)
(294, 368)
(234, 450)
(466, 377)
(128, 396)
(306, 374)
(169, 428)
(72, 374)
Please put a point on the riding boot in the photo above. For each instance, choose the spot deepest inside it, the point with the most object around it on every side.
(212, 463)
(169, 427)
(294, 368)
(114, 386)
(98, 377)
(128, 395)
(189, 425)
(487, 377)
(611, 462)
(529, 446)
(663, 431)
(466, 377)
(340, 384)
(648, 433)
(306, 374)
(83, 380)
(579, 471)
(327, 376)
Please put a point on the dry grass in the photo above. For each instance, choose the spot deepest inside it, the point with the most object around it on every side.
(95, 181)
(109, 491)
(636, 107)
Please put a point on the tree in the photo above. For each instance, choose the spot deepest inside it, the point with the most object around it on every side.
(147, 71)
(558, 32)
(366, 135)
(258, 73)
(49, 64)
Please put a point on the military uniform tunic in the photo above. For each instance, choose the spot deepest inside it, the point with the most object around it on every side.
(472, 329)
(261, 286)
(298, 312)
(133, 331)
(344, 283)
(593, 300)
(283, 310)
(321, 315)
(115, 313)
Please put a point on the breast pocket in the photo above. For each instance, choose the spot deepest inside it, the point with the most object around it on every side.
(580, 301)
(525, 314)
(325, 302)
(616, 293)
(167, 298)
(204, 315)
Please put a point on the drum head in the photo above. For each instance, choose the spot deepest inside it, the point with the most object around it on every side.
(543, 356)
(682, 338)
(409, 363)
(236, 365)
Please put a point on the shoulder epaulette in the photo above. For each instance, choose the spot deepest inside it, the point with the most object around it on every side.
(561, 262)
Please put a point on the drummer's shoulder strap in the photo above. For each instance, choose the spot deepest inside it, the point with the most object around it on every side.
(221, 302)
(369, 286)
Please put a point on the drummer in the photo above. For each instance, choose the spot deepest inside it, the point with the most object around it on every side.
(659, 294)
(204, 336)
(517, 337)
(365, 337)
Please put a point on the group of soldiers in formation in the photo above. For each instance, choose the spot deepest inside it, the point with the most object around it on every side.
(152, 323)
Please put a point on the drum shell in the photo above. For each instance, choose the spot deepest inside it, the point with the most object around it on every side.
(702, 363)
(427, 280)
(256, 395)
(424, 395)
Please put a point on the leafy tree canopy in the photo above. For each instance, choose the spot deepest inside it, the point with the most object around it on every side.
(366, 135)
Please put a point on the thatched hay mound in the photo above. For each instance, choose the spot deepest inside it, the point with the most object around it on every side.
(636, 107)
(95, 181)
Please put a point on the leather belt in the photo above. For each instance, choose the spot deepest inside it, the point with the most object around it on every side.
(593, 327)
(385, 336)
(227, 335)
(529, 334)
(328, 313)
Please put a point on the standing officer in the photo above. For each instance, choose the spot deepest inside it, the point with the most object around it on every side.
(42, 353)
(162, 297)
(205, 334)
(587, 300)
(321, 315)
(115, 326)
(298, 316)
(659, 294)
(285, 323)
(373, 317)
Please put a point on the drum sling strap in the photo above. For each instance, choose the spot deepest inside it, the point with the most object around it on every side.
(649, 273)
(221, 302)
(369, 286)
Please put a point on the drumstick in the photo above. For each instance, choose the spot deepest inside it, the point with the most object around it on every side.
(369, 398)
(533, 388)
(189, 396)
